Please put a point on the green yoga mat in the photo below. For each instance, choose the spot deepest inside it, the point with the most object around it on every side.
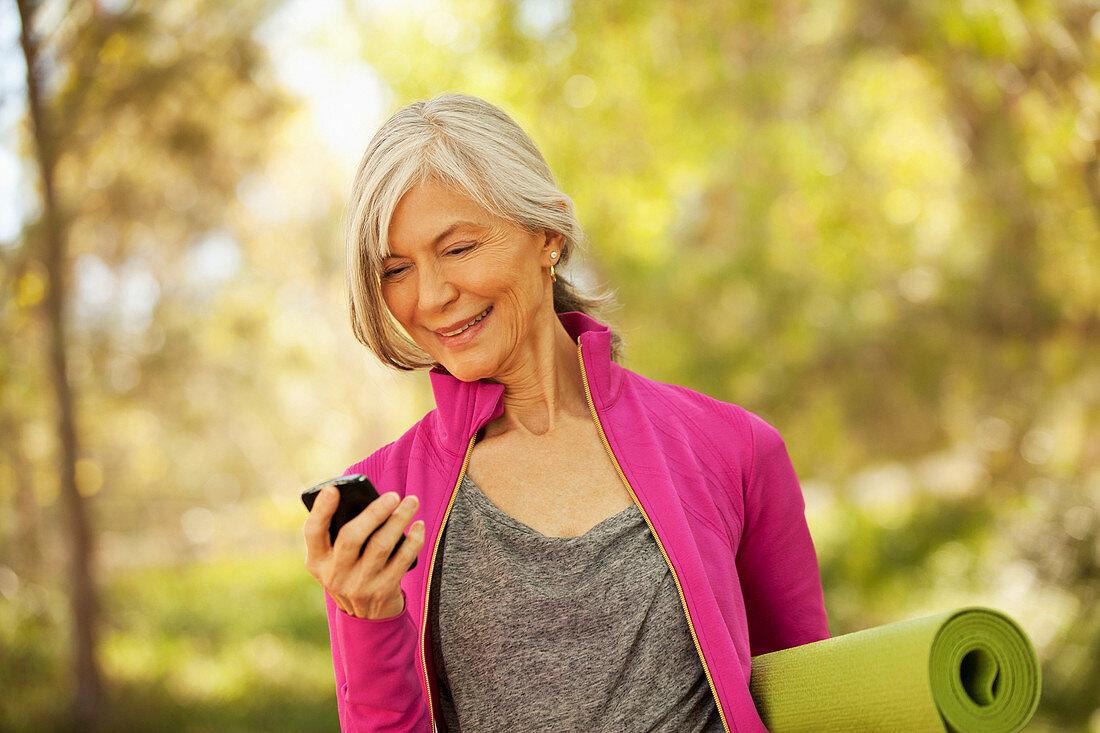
(972, 670)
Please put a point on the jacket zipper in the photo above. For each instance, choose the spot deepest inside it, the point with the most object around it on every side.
(675, 578)
(431, 569)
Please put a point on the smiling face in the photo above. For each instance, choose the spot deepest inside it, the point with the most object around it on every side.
(471, 289)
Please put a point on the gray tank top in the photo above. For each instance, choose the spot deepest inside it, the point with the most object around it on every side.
(585, 633)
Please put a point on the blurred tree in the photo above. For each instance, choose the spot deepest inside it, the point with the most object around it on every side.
(56, 263)
(143, 118)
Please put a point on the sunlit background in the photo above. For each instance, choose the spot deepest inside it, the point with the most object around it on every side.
(876, 225)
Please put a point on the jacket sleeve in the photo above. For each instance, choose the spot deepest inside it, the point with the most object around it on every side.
(377, 686)
(776, 560)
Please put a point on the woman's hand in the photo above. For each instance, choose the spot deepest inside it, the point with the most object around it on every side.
(367, 586)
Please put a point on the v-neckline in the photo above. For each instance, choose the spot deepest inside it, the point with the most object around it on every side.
(488, 508)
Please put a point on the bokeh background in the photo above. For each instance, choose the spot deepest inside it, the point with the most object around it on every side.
(874, 223)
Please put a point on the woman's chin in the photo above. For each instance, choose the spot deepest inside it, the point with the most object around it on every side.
(467, 372)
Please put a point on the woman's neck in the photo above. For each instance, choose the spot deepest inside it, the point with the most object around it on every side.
(546, 385)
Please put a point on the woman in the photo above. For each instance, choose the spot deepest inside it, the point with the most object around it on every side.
(598, 551)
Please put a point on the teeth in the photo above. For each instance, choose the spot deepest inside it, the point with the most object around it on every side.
(471, 323)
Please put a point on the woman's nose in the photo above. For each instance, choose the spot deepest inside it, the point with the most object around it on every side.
(435, 289)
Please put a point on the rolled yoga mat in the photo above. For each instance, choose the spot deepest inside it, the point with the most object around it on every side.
(972, 670)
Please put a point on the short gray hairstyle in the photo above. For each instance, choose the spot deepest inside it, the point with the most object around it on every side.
(475, 149)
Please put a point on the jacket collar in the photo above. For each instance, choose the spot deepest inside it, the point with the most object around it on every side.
(463, 407)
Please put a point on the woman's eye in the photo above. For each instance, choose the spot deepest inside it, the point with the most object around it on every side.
(460, 249)
(393, 272)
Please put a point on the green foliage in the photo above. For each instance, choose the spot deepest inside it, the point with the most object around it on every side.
(227, 646)
(877, 225)
(873, 224)
(31, 650)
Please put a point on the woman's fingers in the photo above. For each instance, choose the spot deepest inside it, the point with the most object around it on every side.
(315, 529)
(387, 599)
(353, 534)
(406, 554)
(382, 542)
(368, 586)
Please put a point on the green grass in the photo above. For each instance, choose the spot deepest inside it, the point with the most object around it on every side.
(228, 646)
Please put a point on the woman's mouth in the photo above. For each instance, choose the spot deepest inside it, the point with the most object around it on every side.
(466, 326)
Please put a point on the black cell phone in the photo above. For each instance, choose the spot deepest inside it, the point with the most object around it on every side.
(356, 492)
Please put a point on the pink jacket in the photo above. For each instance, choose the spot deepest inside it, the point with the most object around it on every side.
(713, 481)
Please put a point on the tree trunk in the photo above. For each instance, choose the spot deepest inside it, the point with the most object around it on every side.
(27, 553)
(54, 256)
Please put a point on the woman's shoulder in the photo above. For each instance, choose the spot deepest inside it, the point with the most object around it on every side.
(688, 403)
(729, 440)
(419, 442)
(716, 421)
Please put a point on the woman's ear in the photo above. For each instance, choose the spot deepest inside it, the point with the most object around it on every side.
(553, 248)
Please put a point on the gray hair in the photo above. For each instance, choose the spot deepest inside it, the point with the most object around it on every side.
(477, 150)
